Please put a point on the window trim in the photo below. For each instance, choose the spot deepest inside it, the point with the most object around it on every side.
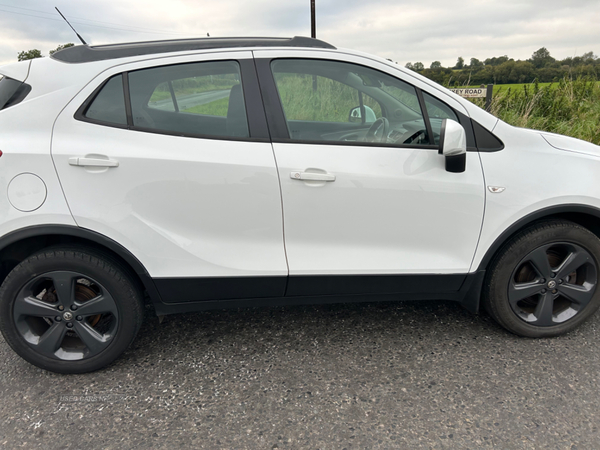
(173, 96)
(426, 118)
(128, 108)
(255, 115)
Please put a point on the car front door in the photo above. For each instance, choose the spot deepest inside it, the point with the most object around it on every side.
(364, 189)
(171, 158)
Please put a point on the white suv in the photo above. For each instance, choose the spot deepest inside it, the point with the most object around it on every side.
(213, 173)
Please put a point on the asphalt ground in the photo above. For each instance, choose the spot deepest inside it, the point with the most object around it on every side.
(369, 376)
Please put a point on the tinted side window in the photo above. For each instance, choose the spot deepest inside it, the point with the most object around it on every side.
(321, 99)
(324, 101)
(198, 99)
(109, 104)
(162, 98)
(12, 91)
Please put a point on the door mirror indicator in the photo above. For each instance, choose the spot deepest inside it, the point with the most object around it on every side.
(453, 145)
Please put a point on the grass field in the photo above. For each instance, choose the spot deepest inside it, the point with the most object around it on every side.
(570, 107)
(216, 108)
(519, 86)
(515, 87)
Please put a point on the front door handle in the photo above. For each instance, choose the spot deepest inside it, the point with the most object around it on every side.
(93, 162)
(311, 176)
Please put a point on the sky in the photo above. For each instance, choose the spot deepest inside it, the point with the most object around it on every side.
(401, 30)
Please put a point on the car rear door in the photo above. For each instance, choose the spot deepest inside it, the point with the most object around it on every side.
(180, 171)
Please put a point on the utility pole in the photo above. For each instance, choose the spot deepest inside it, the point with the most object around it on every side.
(313, 20)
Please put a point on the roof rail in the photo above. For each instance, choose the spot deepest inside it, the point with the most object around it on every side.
(87, 53)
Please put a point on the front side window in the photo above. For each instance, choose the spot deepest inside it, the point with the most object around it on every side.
(198, 99)
(319, 99)
(336, 101)
(437, 112)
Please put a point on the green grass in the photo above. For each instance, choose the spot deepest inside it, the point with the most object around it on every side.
(570, 107)
(331, 102)
(517, 86)
(503, 87)
(191, 86)
(216, 108)
(160, 95)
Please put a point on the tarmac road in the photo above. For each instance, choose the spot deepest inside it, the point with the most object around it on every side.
(189, 101)
(368, 376)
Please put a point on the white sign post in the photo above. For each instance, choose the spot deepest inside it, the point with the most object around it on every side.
(480, 92)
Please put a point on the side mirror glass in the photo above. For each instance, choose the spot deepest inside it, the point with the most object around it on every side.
(453, 145)
(355, 115)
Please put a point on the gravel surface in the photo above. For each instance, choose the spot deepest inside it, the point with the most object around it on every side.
(376, 375)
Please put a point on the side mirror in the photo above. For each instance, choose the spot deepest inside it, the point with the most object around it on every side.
(355, 115)
(453, 145)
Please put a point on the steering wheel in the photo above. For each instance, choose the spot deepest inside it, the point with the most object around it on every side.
(413, 137)
(383, 123)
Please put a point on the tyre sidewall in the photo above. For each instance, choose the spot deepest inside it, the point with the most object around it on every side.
(496, 301)
(127, 300)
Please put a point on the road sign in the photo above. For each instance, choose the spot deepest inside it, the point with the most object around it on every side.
(480, 92)
(471, 92)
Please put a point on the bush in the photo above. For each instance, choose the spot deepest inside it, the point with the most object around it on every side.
(571, 108)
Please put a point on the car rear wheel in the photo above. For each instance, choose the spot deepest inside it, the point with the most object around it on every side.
(544, 281)
(70, 310)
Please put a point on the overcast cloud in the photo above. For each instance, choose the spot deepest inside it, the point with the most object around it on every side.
(401, 30)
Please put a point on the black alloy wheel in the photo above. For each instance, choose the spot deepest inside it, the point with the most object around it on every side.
(544, 281)
(69, 310)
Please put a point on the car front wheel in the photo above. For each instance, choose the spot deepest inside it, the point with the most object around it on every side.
(544, 281)
(70, 310)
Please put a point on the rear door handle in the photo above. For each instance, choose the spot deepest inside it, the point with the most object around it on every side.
(93, 162)
(311, 176)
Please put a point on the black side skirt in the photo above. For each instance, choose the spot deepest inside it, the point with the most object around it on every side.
(197, 294)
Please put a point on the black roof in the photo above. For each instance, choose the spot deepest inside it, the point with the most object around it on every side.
(86, 53)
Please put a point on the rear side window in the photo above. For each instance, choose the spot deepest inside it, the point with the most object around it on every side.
(12, 92)
(191, 99)
(109, 104)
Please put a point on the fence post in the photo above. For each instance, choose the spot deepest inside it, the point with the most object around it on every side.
(488, 97)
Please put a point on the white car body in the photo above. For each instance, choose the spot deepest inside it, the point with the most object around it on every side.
(209, 222)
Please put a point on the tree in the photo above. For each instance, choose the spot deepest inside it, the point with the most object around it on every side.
(460, 63)
(496, 60)
(589, 57)
(30, 54)
(60, 47)
(541, 58)
(435, 65)
(409, 65)
(475, 63)
(418, 66)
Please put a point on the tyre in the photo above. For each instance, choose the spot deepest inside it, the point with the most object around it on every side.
(544, 281)
(70, 310)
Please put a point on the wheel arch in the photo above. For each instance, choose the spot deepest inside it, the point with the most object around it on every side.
(18, 245)
(584, 215)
